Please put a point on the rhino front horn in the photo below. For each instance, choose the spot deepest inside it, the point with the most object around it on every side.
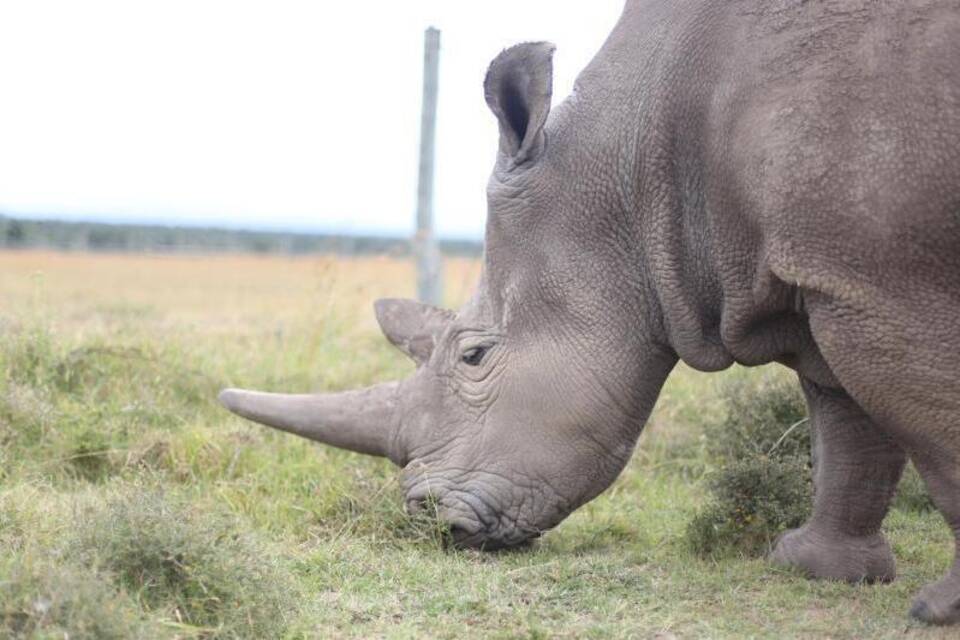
(363, 420)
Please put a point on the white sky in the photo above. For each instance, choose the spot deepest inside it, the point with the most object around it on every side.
(287, 115)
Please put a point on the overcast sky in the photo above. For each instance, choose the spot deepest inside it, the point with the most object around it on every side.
(287, 115)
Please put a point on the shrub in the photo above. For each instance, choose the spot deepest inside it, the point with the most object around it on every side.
(764, 484)
(43, 599)
(753, 500)
(759, 410)
(198, 568)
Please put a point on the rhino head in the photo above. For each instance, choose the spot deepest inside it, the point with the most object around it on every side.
(527, 402)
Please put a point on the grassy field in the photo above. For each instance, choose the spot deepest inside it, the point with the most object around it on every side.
(131, 505)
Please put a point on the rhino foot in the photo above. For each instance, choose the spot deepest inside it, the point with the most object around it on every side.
(836, 556)
(939, 602)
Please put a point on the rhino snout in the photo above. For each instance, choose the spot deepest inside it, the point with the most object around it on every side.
(470, 524)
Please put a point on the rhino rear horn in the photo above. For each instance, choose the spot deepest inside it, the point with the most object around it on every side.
(518, 89)
(364, 420)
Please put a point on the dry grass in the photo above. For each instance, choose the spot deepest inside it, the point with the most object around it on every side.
(221, 294)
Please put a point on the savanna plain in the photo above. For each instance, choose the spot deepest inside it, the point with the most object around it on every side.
(133, 506)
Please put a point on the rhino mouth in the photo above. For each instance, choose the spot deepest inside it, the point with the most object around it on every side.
(463, 539)
(469, 522)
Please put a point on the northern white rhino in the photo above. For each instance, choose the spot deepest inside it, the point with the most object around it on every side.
(746, 181)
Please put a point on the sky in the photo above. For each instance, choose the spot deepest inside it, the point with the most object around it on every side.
(268, 115)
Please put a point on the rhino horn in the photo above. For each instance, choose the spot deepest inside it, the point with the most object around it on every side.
(364, 420)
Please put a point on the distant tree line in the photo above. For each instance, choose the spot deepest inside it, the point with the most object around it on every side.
(20, 233)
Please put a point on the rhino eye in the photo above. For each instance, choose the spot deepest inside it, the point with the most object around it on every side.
(473, 356)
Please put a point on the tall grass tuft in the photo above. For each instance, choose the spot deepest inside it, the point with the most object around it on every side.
(201, 569)
(45, 599)
(73, 412)
(912, 494)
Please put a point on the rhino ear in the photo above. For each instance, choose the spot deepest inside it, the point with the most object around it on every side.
(411, 326)
(518, 89)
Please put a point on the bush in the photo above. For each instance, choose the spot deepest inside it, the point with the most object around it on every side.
(753, 501)
(196, 568)
(764, 485)
(759, 410)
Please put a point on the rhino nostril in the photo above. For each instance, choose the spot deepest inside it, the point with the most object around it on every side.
(416, 506)
(458, 536)
(463, 533)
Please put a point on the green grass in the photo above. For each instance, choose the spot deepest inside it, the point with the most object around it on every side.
(131, 505)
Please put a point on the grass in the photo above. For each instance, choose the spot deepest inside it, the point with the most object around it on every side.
(132, 506)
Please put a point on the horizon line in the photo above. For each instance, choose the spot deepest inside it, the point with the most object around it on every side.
(212, 224)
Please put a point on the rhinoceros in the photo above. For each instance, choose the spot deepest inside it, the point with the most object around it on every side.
(750, 181)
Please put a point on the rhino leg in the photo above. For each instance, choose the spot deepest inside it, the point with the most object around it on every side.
(899, 362)
(856, 470)
(939, 602)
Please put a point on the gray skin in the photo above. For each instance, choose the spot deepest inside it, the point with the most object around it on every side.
(750, 181)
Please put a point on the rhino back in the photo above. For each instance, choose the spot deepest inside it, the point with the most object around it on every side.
(845, 148)
(774, 149)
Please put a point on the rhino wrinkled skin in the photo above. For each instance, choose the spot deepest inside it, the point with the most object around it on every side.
(745, 181)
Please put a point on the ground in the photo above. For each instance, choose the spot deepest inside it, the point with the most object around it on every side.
(132, 505)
